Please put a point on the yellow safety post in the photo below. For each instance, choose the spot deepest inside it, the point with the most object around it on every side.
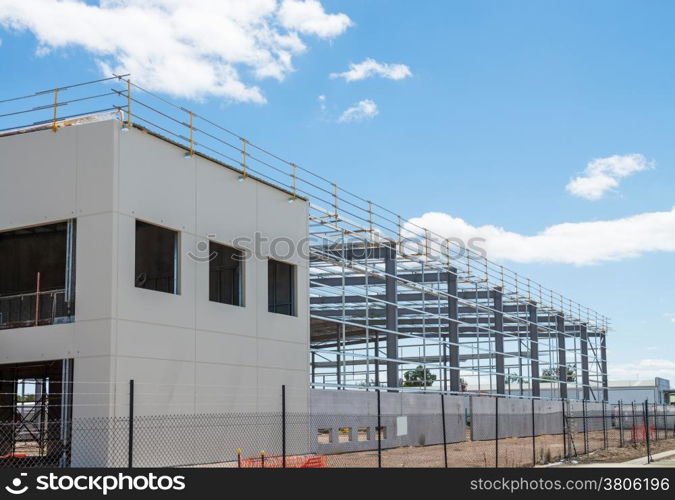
(129, 104)
(400, 232)
(191, 133)
(56, 107)
(244, 154)
(295, 176)
(335, 200)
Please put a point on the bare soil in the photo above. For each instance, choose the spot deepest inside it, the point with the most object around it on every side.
(513, 452)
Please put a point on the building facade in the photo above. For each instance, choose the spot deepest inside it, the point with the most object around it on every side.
(141, 258)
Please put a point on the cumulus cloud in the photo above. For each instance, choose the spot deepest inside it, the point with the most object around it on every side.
(370, 67)
(308, 16)
(181, 47)
(643, 369)
(604, 174)
(580, 243)
(362, 110)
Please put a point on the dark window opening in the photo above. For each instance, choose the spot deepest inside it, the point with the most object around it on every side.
(37, 275)
(281, 287)
(225, 274)
(156, 258)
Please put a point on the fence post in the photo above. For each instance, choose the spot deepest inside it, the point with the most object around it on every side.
(283, 426)
(656, 423)
(378, 431)
(564, 430)
(634, 430)
(496, 431)
(130, 461)
(445, 438)
(583, 416)
(665, 420)
(646, 417)
(534, 440)
(620, 424)
(604, 426)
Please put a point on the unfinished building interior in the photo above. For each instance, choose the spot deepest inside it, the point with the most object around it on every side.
(37, 275)
(384, 304)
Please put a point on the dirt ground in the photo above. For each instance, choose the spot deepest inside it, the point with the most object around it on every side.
(513, 452)
(629, 452)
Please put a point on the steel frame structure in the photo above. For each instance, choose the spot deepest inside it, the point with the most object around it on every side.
(386, 295)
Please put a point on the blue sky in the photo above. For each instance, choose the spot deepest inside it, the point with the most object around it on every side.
(507, 102)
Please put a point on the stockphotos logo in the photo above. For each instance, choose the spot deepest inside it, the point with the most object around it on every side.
(101, 484)
(15, 488)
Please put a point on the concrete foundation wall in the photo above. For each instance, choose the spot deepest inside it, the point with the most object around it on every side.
(515, 417)
(408, 420)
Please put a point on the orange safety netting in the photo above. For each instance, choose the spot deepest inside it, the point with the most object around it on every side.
(276, 462)
(637, 433)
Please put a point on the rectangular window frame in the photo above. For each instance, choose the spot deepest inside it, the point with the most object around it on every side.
(241, 274)
(273, 305)
(176, 281)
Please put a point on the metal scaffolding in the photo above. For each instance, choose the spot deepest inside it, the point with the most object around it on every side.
(386, 296)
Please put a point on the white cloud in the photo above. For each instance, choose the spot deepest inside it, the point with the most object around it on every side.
(180, 47)
(643, 369)
(322, 102)
(309, 17)
(579, 243)
(362, 110)
(370, 67)
(604, 174)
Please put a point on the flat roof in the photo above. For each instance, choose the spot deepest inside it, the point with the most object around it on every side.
(99, 117)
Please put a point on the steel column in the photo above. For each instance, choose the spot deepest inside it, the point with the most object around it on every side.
(499, 340)
(534, 349)
(584, 363)
(391, 315)
(453, 330)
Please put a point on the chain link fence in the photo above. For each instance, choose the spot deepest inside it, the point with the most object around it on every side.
(383, 430)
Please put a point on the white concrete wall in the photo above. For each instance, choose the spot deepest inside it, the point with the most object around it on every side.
(358, 409)
(515, 417)
(185, 353)
(49, 177)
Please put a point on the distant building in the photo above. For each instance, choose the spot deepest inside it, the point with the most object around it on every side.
(654, 390)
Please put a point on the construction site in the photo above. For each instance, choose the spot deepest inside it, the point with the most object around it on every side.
(348, 300)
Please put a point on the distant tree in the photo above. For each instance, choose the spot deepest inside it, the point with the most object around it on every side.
(419, 377)
(551, 374)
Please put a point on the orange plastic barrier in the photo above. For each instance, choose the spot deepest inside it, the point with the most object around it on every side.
(292, 462)
(637, 433)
